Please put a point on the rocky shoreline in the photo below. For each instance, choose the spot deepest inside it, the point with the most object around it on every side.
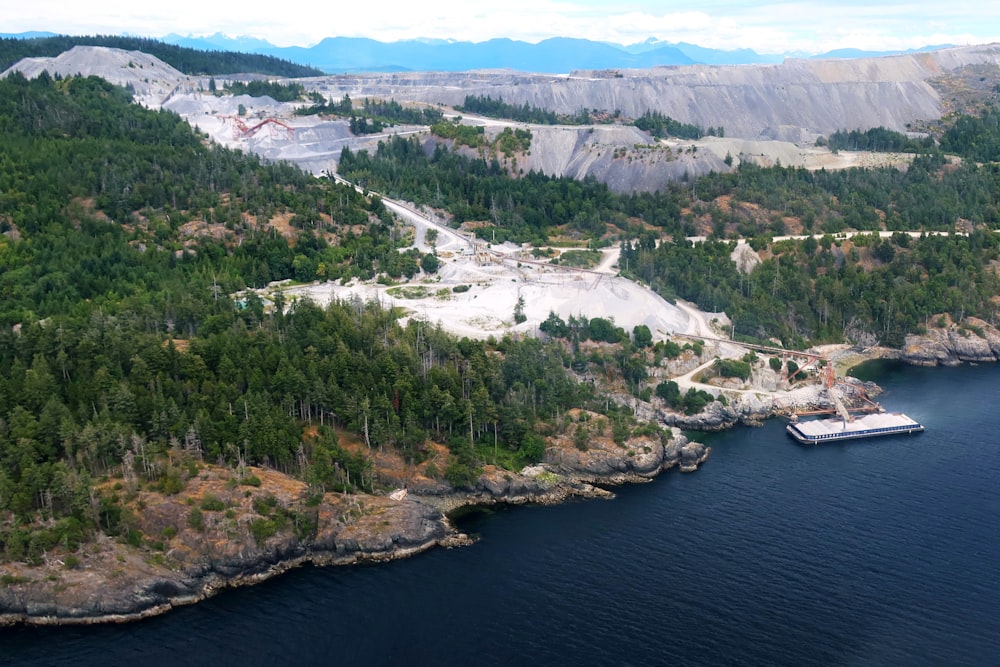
(951, 343)
(116, 583)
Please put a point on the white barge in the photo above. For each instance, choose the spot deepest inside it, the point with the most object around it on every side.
(815, 431)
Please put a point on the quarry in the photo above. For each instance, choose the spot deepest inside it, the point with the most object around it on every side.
(772, 114)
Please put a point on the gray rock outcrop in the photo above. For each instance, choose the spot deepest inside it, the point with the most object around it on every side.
(636, 459)
(145, 74)
(715, 417)
(949, 344)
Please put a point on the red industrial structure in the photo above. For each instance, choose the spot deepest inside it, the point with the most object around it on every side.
(243, 130)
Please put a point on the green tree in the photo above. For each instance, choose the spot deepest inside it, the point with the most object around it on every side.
(602, 329)
(519, 315)
(429, 263)
(642, 336)
(669, 392)
(554, 326)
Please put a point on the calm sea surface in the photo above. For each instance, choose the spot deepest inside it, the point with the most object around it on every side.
(879, 552)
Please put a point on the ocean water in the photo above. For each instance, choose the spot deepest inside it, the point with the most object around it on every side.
(878, 552)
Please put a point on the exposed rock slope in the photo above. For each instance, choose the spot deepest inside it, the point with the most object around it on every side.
(949, 343)
(794, 101)
(765, 110)
(147, 75)
(623, 157)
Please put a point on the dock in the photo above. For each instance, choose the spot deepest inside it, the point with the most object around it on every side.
(815, 431)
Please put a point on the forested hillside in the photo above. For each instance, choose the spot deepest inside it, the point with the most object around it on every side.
(864, 290)
(78, 155)
(189, 61)
(532, 208)
(929, 195)
(123, 351)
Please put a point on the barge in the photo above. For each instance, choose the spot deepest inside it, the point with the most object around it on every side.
(815, 431)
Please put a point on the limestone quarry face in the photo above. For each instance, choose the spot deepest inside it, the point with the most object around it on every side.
(793, 101)
(769, 113)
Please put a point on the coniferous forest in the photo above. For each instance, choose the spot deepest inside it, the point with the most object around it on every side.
(121, 338)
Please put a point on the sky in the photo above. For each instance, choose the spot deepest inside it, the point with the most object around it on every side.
(803, 26)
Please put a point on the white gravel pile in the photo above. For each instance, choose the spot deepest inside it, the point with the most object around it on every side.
(147, 75)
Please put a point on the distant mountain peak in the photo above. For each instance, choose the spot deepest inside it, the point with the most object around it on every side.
(219, 42)
(33, 34)
(554, 55)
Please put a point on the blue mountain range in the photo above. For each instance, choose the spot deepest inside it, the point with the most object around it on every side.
(552, 56)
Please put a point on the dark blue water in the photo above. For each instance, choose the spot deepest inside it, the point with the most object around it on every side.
(880, 552)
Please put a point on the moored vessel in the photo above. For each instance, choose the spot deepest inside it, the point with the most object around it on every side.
(833, 429)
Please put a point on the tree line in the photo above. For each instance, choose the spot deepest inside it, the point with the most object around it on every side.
(660, 125)
(657, 124)
(974, 137)
(878, 139)
(374, 115)
(189, 61)
(280, 92)
(526, 113)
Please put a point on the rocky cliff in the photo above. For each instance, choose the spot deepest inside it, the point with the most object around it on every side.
(636, 459)
(949, 343)
(217, 534)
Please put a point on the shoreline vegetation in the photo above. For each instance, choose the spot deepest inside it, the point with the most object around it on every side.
(118, 586)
